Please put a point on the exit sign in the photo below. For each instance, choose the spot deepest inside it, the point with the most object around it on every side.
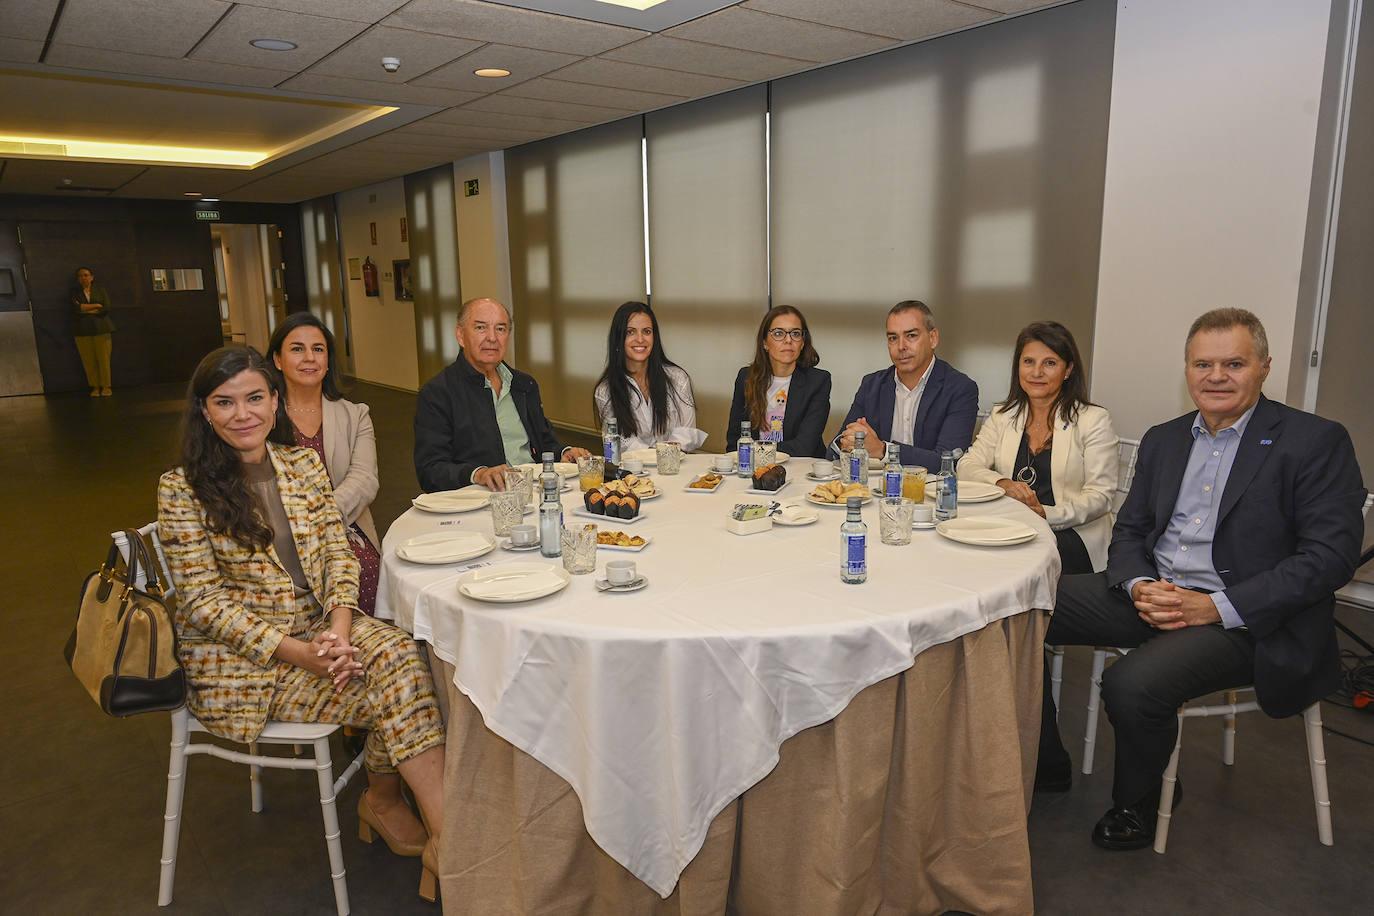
(209, 215)
(470, 188)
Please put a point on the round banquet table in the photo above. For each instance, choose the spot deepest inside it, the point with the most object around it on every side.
(653, 716)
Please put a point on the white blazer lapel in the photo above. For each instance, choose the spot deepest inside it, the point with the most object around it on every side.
(1065, 442)
(1010, 443)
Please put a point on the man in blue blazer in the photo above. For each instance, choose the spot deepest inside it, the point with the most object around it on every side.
(921, 402)
(1244, 517)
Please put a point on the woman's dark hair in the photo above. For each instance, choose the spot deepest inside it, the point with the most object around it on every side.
(77, 272)
(761, 369)
(212, 467)
(1073, 395)
(617, 380)
(331, 387)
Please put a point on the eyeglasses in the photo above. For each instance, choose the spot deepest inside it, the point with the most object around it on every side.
(784, 333)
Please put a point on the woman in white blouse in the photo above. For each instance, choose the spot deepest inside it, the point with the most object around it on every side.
(647, 394)
(1051, 448)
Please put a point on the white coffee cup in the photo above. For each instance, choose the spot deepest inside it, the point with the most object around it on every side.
(621, 572)
(922, 514)
(822, 468)
(633, 465)
(524, 535)
(723, 462)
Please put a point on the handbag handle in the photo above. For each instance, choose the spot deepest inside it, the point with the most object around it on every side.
(140, 555)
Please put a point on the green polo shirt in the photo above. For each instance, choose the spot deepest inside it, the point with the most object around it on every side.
(514, 439)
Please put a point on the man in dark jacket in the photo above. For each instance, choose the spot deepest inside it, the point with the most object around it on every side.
(920, 402)
(479, 416)
(1243, 519)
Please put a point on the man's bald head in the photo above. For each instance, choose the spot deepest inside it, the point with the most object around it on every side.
(466, 308)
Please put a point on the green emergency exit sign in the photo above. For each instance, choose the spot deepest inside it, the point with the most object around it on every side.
(208, 215)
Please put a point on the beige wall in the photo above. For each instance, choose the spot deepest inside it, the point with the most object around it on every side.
(383, 329)
(484, 262)
(1209, 162)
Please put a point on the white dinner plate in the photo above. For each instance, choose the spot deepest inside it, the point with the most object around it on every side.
(866, 499)
(755, 492)
(506, 583)
(984, 531)
(564, 469)
(647, 455)
(647, 541)
(451, 501)
(442, 547)
(582, 512)
(973, 491)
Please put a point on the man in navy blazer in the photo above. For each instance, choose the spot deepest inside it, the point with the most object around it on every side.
(921, 402)
(1242, 521)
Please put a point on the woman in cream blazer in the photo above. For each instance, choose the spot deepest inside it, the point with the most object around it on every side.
(1050, 448)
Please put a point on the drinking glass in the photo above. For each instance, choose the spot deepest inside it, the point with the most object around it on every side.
(579, 549)
(520, 480)
(894, 520)
(591, 472)
(507, 510)
(669, 457)
(914, 484)
(767, 453)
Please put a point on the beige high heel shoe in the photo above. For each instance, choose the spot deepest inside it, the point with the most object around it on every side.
(429, 873)
(370, 827)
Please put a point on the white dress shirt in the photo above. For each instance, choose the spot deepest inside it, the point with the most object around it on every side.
(904, 407)
(682, 414)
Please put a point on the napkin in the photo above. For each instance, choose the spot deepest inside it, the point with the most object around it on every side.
(441, 545)
(452, 499)
(499, 584)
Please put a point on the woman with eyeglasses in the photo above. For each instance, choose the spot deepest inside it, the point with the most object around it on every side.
(1049, 447)
(782, 394)
(647, 394)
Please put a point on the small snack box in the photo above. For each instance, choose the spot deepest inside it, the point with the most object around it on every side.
(749, 518)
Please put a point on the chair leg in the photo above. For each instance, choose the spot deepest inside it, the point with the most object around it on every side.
(1094, 697)
(1056, 675)
(1228, 733)
(171, 817)
(324, 769)
(1166, 794)
(255, 780)
(1316, 762)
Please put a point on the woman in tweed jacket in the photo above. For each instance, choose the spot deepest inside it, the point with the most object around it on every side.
(267, 589)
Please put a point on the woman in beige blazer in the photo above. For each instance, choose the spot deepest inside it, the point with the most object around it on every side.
(1049, 447)
(267, 594)
(340, 432)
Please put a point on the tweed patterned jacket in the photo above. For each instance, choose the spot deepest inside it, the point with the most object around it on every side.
(236, 604)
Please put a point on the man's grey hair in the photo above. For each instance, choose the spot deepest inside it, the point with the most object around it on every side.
(1224, 320)
(907, 305)
(467, 307)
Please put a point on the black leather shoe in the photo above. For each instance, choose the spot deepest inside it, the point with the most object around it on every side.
(1055, 777)
(1132, 827)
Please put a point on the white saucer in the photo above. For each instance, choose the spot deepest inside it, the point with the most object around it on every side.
(825, 479)
(923, 526)
(604, 585)
(505, 544)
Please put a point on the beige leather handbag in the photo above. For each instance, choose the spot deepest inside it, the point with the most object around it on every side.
(123, 650)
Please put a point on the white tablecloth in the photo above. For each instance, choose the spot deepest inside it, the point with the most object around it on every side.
(661, 706)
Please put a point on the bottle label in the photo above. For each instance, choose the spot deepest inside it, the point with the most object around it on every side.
(892, 484)
(608, 450)
(855, 554)
(746, 460)
(854, 467)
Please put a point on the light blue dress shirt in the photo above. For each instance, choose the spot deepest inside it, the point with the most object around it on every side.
(1183, 553)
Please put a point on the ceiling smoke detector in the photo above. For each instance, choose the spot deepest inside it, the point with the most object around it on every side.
(273, 44)
(391, 64)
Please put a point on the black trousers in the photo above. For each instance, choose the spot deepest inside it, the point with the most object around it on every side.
(1143, 691)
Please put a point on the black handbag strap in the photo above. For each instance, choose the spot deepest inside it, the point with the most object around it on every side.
(140, 557)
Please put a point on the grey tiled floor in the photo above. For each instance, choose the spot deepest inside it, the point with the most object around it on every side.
(80, 810)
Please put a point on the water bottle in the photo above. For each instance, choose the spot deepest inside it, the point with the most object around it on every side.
(853, 544)
(548, 471)
(746, 452)
(947, 502)
(892, 471)
(610, 443)
(551, 520)
(858, 460)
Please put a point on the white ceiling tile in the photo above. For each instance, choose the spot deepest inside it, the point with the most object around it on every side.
(381, 93)
(21, 50)
(523, 64)
(419, 53)
(160, 28)
(504, 135)
(536, 108)
(555, 90)
(42, 176)
(29, 19)
(904, 19)
(357, 10)
(620, 75)
(713, 60)
(469, 116)
(754, 31)
(510, 26)
(1014, 6)
(124, 64)
(314, 36)
(167, 181)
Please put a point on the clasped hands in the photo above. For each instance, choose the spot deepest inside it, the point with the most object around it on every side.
(331, 656)
(1166, 606)
(875, 447)
(1023, 494)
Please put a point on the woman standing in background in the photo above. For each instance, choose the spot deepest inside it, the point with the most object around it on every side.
(93, 331)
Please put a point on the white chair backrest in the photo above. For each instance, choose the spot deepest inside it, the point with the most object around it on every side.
(1126, 451)
(980, 420)
(149, 531)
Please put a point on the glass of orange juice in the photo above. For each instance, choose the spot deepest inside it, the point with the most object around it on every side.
(591, 472)
(914, 484)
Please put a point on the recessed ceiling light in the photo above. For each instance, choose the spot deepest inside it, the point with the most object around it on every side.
(492, 72)
(209, 200)
(190, 193)
(273, 44)
(640, 5)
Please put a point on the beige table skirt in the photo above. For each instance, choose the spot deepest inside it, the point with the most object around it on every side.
(911, 800)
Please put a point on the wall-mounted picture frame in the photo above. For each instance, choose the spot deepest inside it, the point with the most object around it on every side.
(400, 276)
(405, 230)
(355, 268)
(372, 230)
